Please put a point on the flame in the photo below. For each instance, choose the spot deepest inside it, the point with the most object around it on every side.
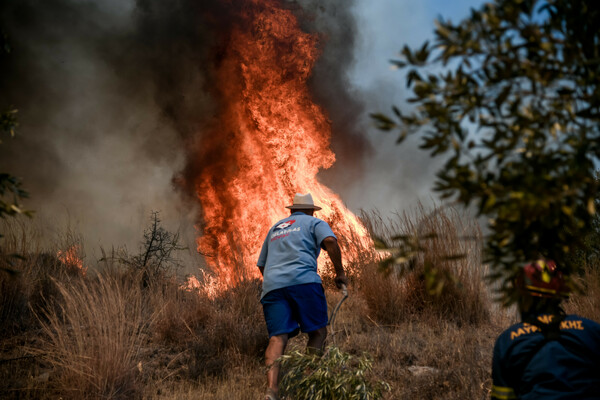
(209, 285)
(71, 259)
(191, 284)
(269, 140)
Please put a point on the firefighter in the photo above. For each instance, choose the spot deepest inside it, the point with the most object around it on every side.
(292, 296)
(548, 355)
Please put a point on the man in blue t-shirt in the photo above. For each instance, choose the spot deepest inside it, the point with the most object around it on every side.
(549, 355)
(292, 297)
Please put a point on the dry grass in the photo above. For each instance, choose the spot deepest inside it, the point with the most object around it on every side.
(93, 336)
(587, 303)
(425, 361)
(435, 284)
(114, 334)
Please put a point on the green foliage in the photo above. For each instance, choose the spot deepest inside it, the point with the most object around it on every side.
(515, 112)
(8, 122)
(334, 376)
(10, 186)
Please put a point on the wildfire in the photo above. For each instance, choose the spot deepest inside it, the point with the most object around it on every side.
(268, 142)
(209, 286)
(191, 284)
(70, 258)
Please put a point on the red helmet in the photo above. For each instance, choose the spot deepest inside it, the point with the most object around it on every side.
(543, 279)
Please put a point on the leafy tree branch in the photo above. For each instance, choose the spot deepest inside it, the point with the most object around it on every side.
(510, 97)
(11, 192)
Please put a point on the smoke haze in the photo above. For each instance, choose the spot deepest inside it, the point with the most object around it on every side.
(95, 150)
(113, 97)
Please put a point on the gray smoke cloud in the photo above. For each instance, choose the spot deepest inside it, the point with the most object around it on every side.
(334, 90)
(113, 96)
(95, 149)
(397, 177)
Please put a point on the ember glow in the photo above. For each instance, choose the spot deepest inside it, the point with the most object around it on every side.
(71, 259)
(267, 142)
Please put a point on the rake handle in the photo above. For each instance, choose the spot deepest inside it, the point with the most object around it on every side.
(338, 305)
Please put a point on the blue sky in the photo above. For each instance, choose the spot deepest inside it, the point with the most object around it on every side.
(387, 25)
(404, 174)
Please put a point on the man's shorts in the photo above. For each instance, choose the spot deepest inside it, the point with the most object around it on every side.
(293, 308)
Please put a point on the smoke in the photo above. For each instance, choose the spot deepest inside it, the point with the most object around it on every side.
(182, 42)
(113, 97)
(335, 91)
(353, 79)
(94, 149)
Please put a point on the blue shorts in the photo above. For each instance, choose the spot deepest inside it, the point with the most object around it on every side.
(294, 308)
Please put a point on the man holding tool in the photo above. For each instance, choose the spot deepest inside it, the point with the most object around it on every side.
(293, 298)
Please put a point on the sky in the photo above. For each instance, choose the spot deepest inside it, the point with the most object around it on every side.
(98, 148)
(405, 174)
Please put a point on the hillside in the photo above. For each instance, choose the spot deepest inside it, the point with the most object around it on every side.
(119, 331)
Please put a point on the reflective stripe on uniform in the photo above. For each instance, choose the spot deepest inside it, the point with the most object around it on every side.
(503, 393)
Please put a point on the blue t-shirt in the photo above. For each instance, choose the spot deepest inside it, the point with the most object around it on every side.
(526, 365)
(290, 251)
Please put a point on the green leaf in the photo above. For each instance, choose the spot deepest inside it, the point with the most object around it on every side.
(521, 87)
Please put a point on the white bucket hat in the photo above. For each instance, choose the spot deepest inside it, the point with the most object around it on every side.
(303, 202)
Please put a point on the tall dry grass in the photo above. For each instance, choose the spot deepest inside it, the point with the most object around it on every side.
(441, 278)
(114, 334)
(92, 338)
(212, 335)
(27, 290)
(587, 302)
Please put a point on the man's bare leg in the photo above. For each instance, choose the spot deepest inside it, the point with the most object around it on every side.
(316, 340)
(275, 350)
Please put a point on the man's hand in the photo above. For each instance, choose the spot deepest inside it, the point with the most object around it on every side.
(341, 280)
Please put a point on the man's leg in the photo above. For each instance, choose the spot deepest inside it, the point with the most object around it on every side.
(275, 350)
(316, 340)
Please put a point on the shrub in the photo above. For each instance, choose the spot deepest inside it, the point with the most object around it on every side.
(334, 376)
(156, 260)
(93, 343)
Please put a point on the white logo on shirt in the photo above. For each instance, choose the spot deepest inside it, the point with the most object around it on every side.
(283, 233)
(286, 224)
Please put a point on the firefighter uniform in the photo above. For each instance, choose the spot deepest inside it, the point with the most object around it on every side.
(529, 363)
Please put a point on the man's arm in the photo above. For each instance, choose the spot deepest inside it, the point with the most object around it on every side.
(262, 257)
(335, 255)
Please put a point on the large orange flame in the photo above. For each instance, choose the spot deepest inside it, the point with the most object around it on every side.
(268, 142)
